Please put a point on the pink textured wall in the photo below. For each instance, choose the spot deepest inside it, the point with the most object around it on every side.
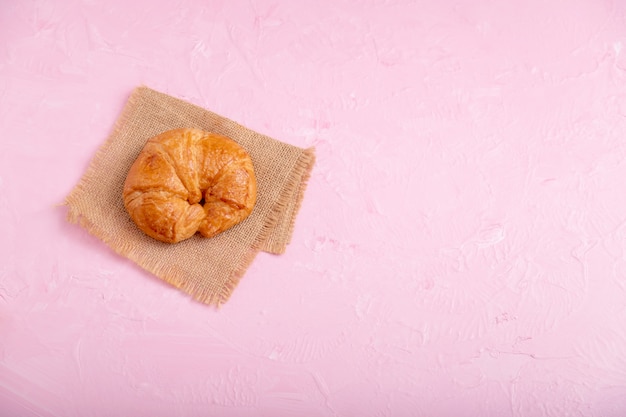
(461, 250)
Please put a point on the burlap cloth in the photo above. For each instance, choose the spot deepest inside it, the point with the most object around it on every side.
(208, 269)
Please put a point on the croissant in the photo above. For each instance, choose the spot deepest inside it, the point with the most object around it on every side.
(186, 181)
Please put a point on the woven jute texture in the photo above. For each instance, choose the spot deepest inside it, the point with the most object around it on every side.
(207, 269)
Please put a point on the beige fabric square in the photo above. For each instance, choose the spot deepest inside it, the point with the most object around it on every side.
(207, 269)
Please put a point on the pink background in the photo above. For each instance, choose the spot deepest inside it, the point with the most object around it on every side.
(461, 250)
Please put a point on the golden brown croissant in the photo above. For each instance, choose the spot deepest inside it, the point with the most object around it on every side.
(188, 180)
